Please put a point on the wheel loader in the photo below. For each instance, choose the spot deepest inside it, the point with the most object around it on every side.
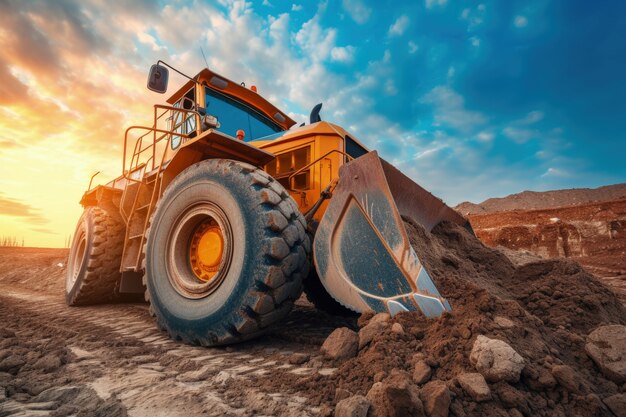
(225, 212)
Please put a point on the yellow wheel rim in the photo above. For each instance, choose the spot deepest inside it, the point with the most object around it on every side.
(206, 250)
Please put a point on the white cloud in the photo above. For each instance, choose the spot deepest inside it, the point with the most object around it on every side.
(451, 72)
(555, 172)
(519, 135)
(449, 109)
(413, 47)
(432, 3)
(342, 54)
(520, 21)
(390, 88)
(485, 136)
(358, 11)
(399, 26)
(532, 117)
(296, 7)
(474, 41)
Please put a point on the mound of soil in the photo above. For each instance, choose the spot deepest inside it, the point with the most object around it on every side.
(41, 269)
(543, 309)
(533, 200)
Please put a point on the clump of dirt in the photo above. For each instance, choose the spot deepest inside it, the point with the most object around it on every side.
(34, 379)
(543, 309)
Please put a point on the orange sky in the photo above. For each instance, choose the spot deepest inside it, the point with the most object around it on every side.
(72, 78)
(65, 97)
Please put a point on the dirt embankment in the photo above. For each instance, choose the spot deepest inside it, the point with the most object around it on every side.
(542, 310)
(588, 226)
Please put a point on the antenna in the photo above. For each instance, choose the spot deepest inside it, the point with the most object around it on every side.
(207, 64)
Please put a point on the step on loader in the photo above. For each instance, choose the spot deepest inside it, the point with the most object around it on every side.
(225, 212)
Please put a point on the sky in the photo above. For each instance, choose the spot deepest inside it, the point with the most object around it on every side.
(470, 99)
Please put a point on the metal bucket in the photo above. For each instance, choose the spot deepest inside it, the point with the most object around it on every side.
(361, 249)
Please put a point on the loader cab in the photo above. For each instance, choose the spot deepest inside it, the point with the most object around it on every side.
(235, 106)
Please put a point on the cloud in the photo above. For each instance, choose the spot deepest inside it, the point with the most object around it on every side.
(358, 11)
(296, 7)
(449, 109)
(432, 3)
(485, 136)
(555, 172)
(532, 117)
(520, 21)
(342, 54)
(20, 210)
(399, 26)
(474, 41)
(413, 47)
(519, 135)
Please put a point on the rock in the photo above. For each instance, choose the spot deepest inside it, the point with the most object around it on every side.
(397, 328)
(568, 379)
(298, 358)
(355, 406)
(503, 322)
(421, 372)
(617, 404)
(606, 345)
(475, 386)
(371, 330)
(394, 397)
(11, 364)
(342, 343)
(436, 399)
(342, 394)
(48, 363)
(512, 398)
(380, 318)
(496, 360)
(222, 378)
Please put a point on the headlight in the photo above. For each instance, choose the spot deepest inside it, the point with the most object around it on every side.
(211, 121)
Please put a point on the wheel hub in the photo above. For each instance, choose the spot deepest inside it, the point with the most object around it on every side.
(206, 250)
(199, 250)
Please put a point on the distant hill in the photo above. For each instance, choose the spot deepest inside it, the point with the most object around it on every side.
(532, 200)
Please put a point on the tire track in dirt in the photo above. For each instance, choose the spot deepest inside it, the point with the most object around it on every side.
(117, 351)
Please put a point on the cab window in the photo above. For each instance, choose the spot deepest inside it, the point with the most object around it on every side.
(233, 115)
(181, 122)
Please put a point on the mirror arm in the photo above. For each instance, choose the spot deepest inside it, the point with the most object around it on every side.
(171, 67)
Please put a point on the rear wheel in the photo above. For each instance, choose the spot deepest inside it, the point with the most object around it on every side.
(93, 268)
(226, 254)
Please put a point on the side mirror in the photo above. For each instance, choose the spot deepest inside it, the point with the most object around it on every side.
(157, 79)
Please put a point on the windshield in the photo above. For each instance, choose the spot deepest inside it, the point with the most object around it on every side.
(233, 116)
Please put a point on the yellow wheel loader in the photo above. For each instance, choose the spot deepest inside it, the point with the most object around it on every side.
(225, 212)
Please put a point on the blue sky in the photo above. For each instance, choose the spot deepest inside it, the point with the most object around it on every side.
(470, 99)
(477, 99)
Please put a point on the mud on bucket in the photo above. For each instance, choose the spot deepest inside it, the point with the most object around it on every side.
(362, 251)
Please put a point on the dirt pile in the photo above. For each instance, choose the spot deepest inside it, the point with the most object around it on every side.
(533, 200)
(586, 225)
(522, 325)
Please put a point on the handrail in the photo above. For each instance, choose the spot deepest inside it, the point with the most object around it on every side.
(313, 163)
(139, 149)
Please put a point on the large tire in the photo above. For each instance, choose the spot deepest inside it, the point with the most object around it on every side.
(93, 267)
(262, 263)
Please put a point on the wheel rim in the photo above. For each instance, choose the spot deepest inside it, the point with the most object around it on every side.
(199, 250)
(77, 259)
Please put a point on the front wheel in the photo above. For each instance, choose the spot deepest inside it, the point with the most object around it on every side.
(226, 254)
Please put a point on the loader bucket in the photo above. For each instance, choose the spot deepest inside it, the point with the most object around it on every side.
(361, 248)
